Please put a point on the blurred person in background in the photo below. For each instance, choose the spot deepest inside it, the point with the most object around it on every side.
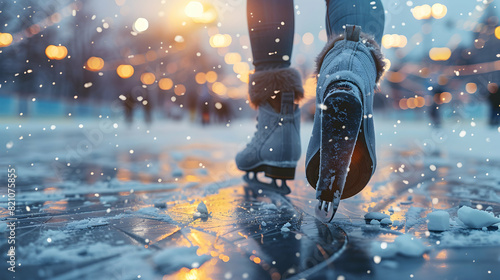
(494, 99)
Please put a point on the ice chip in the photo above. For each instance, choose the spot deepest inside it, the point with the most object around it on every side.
(202, 208)
(474, 218)
(438, 221)
(409, 246)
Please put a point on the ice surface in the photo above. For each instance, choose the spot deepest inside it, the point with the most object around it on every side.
(474, 218)
(172, 259)
(3, 227)
(383, 249)
(438, 220)
(376, 216)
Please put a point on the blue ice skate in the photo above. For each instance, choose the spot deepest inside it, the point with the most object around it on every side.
(340, 159)
(275, 147)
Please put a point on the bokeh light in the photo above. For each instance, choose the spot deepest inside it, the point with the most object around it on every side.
(440, 54)
(141, 25)
(94, 63)
(165, 83)
(5, 39)
(471, 88)
(232, 58)
(394, 41)
(211, 76)
(200, 78)
(179, 89)
(308, 38)
(148, 78)
(439, 10)
(220, 40)
(219, 88)
(125, 71)
(194, 9)
(56, 52)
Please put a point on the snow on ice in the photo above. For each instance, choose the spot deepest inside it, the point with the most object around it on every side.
(376, 216)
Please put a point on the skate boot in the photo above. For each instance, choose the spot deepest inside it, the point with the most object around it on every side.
(275, 146)
(340, 158)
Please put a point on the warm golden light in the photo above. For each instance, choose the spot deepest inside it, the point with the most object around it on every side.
(211, 76)
(410, 102)
(5, 39)
(439, 10)
(56, 52)
(241, 68)
(219, 88)
(200, 13)
(165, 84)
(497, 32)
(232, 58)
(148, 78)
(141, 25)
(220, 40)
(440, 54)
(94, 63)
(179, 89)
(394, 41)
(194, 9)
(125, 71)
(445, 97)
(420, 101)
(310, 88)
(200, 78)
(403, 104)
(471, 88)
(395, 77)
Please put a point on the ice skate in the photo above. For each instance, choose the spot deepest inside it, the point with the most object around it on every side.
(340, 158)
(275, 147)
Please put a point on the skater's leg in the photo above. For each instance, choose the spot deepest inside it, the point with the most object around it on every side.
(341, 156)
(273, 90)
(271, 29)
(367, 14)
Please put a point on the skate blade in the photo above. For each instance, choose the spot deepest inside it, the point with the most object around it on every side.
(325, 211)
(254, 183)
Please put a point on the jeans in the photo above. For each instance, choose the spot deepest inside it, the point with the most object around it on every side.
(271, 26)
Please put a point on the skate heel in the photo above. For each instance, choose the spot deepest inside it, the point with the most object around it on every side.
(341, 115)
(279, 172)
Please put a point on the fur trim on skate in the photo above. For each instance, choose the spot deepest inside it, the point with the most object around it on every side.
(265, 84)
(368, 41)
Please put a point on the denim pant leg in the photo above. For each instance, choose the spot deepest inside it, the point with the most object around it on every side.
(369, 14)
(271, 30)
